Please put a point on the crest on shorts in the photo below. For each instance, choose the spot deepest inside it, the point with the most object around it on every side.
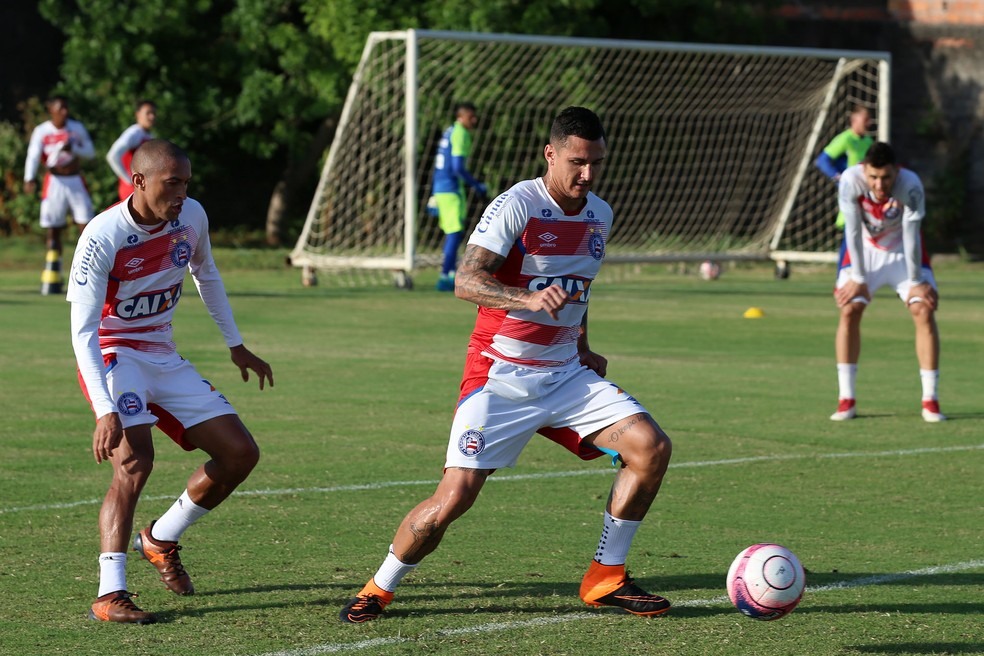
(129, 404)
(471, 442)
(181, 254)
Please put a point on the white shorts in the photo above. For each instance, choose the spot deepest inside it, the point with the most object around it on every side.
(165, 390)
(61, 193)
(495, 422)
(885, 268)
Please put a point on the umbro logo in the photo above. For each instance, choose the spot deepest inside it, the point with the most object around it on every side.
(135, 262)
(548, 237)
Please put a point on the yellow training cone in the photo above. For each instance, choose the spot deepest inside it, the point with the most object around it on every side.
(754, 313)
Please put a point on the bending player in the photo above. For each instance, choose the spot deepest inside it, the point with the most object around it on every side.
(883, 207)
(126, 281)
(529, 265)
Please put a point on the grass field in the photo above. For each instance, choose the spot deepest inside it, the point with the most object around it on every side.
(886, 512)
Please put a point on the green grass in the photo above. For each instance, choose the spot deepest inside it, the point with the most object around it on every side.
(366, 381)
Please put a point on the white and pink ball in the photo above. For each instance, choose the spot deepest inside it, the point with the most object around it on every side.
(766, 581)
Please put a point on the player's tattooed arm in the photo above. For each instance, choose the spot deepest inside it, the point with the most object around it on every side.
(475, 282)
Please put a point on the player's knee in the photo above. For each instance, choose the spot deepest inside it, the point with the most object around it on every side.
(131, 474)
(245, 456)
(649, 452)
(853, 311)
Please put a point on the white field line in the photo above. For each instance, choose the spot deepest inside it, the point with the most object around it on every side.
(518, 477)
(335, 648)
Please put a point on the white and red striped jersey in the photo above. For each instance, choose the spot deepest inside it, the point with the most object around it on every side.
(135, 274)
(892, 225)
(543, 247)
(57, 146)
(881, 222)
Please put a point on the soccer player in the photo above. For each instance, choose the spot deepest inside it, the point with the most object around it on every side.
(126, 280)
(529, 266)
(121, 152)
(846, 149)
(450, 178)
(60, 143)
(883, 207)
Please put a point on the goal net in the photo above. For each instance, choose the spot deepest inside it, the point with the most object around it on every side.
(711, 148)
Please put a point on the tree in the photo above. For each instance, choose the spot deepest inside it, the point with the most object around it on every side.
(267, 78)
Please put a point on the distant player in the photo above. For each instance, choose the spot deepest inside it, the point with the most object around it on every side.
(121, 152)
(126, 280)
(450, 178)
(846, 149)
(884, 206)
(60, 143)
(529, 266)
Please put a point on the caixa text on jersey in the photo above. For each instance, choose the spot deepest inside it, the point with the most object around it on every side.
(149, 304)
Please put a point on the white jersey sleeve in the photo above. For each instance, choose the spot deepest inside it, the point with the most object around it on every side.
(34, 148)
(132, 137)
(850, 189)
(501, 224)
(909, 190)
(81, 141)
(85, 342)
(212, 290)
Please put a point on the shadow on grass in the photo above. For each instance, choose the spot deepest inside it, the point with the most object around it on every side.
(920, 648)
(561, 598)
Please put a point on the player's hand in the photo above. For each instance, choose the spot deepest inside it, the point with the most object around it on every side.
(851, 290)
(243, 358)
(30, 187)
(107, 436)
(594, 362)
(925, 292)
(549, 300)
(482, 190)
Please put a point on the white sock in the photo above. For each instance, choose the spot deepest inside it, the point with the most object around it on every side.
(930, 383)
(392, 571)
(112, 572)
(616, 538)
(846, 375)
(182, 514)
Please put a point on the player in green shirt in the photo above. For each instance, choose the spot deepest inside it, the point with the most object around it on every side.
(451, 176)
(846, 149)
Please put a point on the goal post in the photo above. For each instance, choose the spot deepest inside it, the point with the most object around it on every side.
(711, 147)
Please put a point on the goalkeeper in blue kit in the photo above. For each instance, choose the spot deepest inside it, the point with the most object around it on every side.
(451, 176)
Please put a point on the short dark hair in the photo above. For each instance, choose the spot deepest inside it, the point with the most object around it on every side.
(576, 122)
(880, 155)
(463, 106)
(142, 102)
(151, 155)
(56, 99)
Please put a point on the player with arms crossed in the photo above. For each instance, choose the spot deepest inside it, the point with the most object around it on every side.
(120, 154)
(883, 207)
(529, 265)
(61, 143)
(126, 280)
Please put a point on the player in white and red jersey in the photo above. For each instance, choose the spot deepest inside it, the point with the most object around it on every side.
(121, 152)
(529, 266)
(125, 284)
(60, 143)
(883, 207)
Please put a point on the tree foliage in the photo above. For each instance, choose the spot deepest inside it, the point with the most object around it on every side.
(251, 87)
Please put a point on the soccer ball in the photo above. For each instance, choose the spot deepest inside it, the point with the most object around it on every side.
(710, 270)
(766, 581)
